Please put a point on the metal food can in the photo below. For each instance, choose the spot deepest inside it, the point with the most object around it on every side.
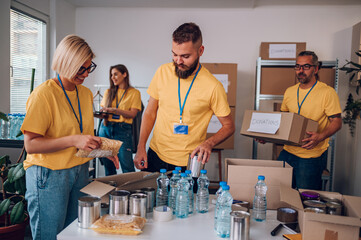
(310, 195)
(240, 224)
(118, 202)
(88, 211)
(334, 208)
(315, 210)
(195, 166)
(150, 198)
(138, 204)
(315, 204)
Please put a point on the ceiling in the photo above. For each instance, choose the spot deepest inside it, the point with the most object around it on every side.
(206, 3)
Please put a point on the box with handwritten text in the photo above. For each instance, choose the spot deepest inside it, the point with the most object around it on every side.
(277, 127)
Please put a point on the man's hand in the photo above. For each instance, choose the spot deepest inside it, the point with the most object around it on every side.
(204, 151)
(312, 141)
(141, 159)
(115, 160)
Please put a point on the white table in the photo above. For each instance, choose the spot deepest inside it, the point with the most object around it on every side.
(196, 226)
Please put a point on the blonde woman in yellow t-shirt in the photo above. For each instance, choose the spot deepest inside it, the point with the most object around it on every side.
(123, 102)
(59, 120)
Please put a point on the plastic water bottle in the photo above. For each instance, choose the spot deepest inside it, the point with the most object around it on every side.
(21, 120)
(182, 201)
(218, 193)
(11, 117)
(260, 201)
(223, 227)
(4, 129)
(173, 183)
(162, 190)
(190, 191)
(202, 201)
(179, 169)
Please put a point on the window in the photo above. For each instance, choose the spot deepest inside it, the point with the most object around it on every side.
(27, 52)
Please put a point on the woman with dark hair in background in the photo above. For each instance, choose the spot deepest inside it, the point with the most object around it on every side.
(123, 102)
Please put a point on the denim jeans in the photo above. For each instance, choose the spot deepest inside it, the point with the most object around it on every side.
(123, 132)
(52, 197)
(307, 172)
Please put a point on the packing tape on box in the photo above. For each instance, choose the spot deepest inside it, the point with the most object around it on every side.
(287, 215)
(162, 213)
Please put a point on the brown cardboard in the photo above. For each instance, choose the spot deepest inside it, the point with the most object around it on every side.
(275, 80)
(125, 181)
(229, 142)
(292, 129)
(231, 70)
(264, 50)
(242, 174)
(319, 226)
(327, 75)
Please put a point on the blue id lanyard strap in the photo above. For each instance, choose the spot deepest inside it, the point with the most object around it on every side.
(298, 94)
(181, 107)
(77, 95)
(120, 98)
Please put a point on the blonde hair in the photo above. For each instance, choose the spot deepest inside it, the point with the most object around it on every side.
(71, 53)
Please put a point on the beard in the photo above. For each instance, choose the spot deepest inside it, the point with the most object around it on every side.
(303, 78)
(186, 73)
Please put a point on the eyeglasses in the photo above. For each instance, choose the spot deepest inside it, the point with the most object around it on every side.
(89, 69)
(305, 67)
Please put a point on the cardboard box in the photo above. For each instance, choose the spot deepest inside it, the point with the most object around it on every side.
(242, 174)
(229, 143)
(275, 80)
(327, 75)
(125, 181)
(281, 50)
(324, 226)
(292, 130)
(228, 70)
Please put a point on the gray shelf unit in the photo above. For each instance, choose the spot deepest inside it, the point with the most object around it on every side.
(258, 97)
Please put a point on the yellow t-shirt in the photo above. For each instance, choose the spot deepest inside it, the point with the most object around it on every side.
(49, 114)
(320, 103)
(130, 100)
(207, 96)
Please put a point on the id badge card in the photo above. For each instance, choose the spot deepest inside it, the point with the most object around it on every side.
(115, 116)
(179, 128)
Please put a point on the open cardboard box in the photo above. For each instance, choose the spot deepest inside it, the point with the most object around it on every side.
(125, 181)
(292, 130)
(242, 174)
(324, 226)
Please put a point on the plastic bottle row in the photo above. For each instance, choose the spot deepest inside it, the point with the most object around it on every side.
(180, 196)
(10, 129)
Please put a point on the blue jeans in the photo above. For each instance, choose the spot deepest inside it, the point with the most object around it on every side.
(123, 132)
(307, 172)
(52, 197)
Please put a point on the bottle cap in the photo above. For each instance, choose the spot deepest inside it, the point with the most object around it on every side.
(175, 171)
(188, 172)
(163, 170)
(178, 169)
(225, 187)
(203, 171)
(261, 177)
(183, 174)
(222, 183)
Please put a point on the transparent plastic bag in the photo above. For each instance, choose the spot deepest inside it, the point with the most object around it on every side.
(107, 148)
(119, 224)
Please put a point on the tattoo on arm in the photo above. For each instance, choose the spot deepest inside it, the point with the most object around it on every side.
(335, 116)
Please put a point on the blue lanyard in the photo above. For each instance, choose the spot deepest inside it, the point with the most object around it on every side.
(185, 99)
(120, 98)
(298, 94)
(77, 95)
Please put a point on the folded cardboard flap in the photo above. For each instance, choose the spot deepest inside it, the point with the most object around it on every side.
(291, 196)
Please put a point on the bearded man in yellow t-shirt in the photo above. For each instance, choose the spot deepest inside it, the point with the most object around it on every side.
(183, 97)
(317, 101)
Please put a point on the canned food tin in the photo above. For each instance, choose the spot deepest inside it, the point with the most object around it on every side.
(195, 166)
(334, 208)
(88, 211)
(150, 198)
(118, 202)
(240, 223)
(315, 210)
(315, 204)
(138, 204)
(309, 195)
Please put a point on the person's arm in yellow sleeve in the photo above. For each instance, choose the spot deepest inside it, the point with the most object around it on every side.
(204, 149)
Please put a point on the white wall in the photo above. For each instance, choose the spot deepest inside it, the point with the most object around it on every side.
(141, 39)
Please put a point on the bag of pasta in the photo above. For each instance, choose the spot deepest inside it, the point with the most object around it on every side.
(107, 148)
(119, 224)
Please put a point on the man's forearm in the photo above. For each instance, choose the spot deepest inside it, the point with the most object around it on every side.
(226, 131)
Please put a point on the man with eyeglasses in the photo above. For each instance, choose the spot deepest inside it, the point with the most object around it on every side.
(317, 101)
